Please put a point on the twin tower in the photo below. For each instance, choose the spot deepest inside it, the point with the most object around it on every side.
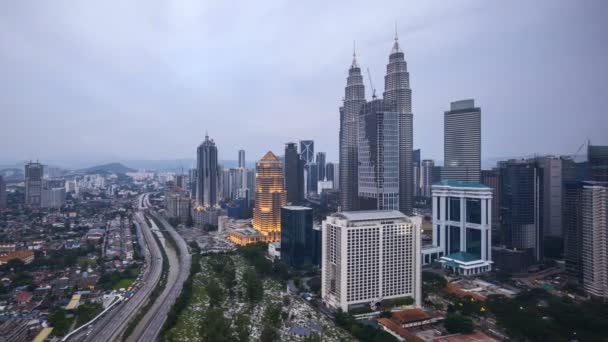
(376, 141)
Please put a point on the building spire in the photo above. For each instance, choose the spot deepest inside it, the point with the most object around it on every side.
(396, 44)
(355, 64)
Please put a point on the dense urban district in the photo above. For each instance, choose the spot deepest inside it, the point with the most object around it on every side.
(380, 246)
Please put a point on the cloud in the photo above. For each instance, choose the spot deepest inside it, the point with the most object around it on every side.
(145, 79)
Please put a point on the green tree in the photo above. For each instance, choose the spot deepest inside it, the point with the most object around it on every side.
(215, 293)
(253, 286)
(214, 326)
(456, 323)
(269, 334)
(242, 327)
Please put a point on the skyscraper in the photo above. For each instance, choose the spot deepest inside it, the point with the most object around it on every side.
(270, 197)
(207, 174)
(354, 98)
(296, 235)
(242, 164)
(416, 166)
(598, 162)
(429, 174)
(312, 178)
(329, 171)
(307, 151)
(491, 179)
(462, 142)
(33, 184)
(321, 165)
(2, 193)
(294, 174)
(594, 231)
(397, 89)
(521, 207)
(378, 156)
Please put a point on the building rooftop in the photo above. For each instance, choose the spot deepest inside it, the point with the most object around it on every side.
(460, 184)
(296, 207)
(368, 215)
(411, 315)
(462, 256)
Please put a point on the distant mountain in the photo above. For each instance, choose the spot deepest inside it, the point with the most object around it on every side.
(107, 168)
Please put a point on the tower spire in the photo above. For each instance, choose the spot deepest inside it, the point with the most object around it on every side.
(354, 64)
(396, 44)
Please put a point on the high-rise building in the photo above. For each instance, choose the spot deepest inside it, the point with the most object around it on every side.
(307, 151)
(53, 197)
(594, 232)
(572, 223)
(312, 178)
(178, 206)
(556, 171)
(416, 166)
(598, 162)
(397, 89)
(329, 171)
(296, 235)
(354, 98)
(321, 165)
(369, 256)
(491, 179)
(33, 184)
(462, 221)
(242, 164)
(294, 174)
(378, 155)
(207, 174)
(522, 200)
(192, 178)
(462, 142)
(270, 197)
(429, 174)
(2, 193)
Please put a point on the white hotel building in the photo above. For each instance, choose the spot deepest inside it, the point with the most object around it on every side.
(370, 256)
(462, 227)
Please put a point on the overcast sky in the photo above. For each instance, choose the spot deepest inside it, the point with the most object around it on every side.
(103, 80)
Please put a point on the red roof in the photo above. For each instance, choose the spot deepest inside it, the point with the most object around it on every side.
(23, 296)
(397, 329)
(409, 316)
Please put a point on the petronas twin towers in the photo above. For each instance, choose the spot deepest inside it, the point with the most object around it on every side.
(377, 159)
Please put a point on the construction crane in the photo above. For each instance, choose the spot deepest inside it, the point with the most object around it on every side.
(577, 151)
(369, 74)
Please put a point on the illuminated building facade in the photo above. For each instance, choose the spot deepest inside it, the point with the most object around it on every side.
(270, 197)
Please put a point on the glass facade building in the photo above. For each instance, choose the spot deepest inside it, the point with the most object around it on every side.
(462, 221)
(378, 157)
(297, 236)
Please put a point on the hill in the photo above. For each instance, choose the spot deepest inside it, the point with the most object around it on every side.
(108, 168)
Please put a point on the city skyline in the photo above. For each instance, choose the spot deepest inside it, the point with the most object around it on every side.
(82, 79)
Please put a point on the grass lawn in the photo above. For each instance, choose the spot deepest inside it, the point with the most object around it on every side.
(123, 283)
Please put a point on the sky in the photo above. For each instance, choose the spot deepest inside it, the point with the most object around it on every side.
(97, 81)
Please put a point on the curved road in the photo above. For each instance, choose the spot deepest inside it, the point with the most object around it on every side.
(111, 326)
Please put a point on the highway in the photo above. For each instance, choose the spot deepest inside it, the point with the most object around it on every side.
(111, 326)
(179, 269)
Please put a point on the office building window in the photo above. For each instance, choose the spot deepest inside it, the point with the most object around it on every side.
(474, 211)
(454, 239)
(454, 209)
(474, 242)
